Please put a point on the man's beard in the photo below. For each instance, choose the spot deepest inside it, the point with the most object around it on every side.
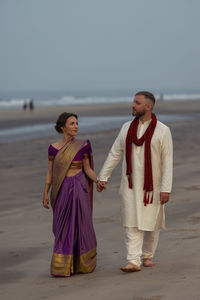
(138, 114)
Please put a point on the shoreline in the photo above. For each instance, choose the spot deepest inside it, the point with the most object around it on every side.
(86, 125)
(20, 125)
(11, 118)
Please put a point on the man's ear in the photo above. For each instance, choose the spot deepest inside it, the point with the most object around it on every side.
(149, 106)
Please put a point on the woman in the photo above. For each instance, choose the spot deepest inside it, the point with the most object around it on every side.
(70, 176)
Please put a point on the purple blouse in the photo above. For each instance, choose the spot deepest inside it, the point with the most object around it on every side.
(84, 151)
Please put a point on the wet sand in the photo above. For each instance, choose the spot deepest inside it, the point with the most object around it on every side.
(25, 227)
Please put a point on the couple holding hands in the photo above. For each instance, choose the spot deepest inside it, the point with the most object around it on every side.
(145, 144)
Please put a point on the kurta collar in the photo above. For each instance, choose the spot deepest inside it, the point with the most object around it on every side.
(145, 123)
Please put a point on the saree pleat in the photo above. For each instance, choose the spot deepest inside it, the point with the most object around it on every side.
(75, 241)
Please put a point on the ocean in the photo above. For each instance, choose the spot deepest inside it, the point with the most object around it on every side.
(16, 101)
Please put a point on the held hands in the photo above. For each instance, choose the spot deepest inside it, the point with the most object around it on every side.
(164, 197)
(101, 185)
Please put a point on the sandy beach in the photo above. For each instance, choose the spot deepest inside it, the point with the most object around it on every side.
(26, 227)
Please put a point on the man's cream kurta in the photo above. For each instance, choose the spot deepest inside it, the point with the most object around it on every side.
(133, 211)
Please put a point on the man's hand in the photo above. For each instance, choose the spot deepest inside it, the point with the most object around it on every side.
(101, 185)
(164, 197)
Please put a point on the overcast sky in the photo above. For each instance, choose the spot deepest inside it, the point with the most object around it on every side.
(52, 45)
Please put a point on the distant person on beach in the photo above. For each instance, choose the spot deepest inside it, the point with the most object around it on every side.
(70, 175)
(146, 146)
(25, 105)
(31, 104)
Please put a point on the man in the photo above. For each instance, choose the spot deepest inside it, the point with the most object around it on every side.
(146, 146)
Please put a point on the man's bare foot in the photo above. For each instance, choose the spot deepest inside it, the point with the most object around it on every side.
(147, 262)
(130, 268)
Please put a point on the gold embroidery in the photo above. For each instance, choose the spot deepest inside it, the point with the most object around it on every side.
(86, 262)
(61, 164)
(62, 265)
(65, 265)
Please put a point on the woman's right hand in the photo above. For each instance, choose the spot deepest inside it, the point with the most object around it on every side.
(45, 201)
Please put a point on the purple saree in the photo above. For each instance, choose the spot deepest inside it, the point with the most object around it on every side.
(75, 241)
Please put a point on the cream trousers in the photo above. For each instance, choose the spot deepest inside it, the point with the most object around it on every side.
(140, 243)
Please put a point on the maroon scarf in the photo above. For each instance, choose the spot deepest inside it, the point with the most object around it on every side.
(132, 138)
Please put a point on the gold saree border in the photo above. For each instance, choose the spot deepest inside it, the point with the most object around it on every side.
(67, 264)
(86, 262)
(62, 265)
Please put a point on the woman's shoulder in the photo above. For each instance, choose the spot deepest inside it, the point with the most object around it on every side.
(86, 143)
(53, 148)
(86, 146)
(55, 145)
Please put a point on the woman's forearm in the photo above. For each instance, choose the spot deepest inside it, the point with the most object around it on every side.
(48, 181)
(47, 187)
(91, 174)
